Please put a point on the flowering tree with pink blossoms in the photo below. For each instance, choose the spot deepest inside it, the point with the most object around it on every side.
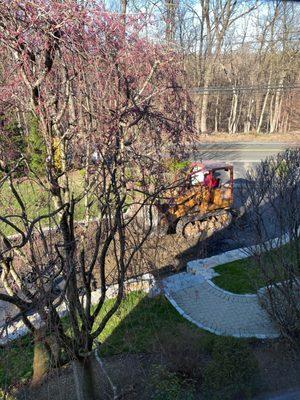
(108, 103)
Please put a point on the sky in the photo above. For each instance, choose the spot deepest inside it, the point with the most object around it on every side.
(244, 28)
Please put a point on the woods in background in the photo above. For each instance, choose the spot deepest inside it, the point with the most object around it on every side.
(242, 60)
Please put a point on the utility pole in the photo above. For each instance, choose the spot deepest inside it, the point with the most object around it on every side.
(124, 4)
(171, 8)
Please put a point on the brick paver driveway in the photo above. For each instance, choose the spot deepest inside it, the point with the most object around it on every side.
(216, 310)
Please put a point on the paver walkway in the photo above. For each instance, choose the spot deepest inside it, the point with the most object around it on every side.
(216, 310)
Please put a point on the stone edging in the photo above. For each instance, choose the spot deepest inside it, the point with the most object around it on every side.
(246, 295)
(201, 265)
(204, 268)
(17, 329)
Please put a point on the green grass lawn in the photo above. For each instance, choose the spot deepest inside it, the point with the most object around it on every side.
(244, 276)
(16, 362)
(241, 276)
(37, 201)
(141, 325)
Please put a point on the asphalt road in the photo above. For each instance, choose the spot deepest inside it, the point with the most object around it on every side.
(240, 151)
(243, 155)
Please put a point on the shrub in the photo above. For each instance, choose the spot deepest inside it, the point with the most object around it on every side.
(12, 142)
(36, 148)
(232, 373)
(282, 303)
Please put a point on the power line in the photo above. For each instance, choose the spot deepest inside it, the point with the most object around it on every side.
(263, 41)
(261, 88)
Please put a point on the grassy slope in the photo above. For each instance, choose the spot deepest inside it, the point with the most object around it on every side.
(140, 325)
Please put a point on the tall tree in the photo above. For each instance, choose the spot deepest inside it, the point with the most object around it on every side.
(93, 90)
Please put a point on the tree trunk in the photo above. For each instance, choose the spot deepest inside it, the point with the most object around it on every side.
(285, 124)
(40, 357)
(203, 123)
(197, 102)
(285, 113)
(85, 384)
(205, 99)
(239, 113)
(233, 114)
(47, 354)
(217, 114)
(247, 124)
(271, 111)
(261, 118)
(262, 112)
(277, 109)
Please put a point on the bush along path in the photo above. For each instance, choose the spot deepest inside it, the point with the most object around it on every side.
(216, 310)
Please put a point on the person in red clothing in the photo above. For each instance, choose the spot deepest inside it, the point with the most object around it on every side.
(210, 181)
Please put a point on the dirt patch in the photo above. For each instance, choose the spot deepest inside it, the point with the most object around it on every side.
(157, 253)
(169, 253)
(279, 370)
(128, 372)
